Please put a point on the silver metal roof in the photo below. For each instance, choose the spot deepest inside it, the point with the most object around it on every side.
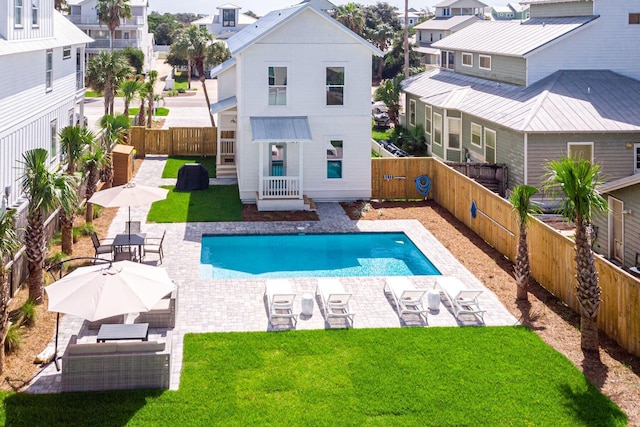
(462, 3)
(216, 71)
(280, 129)
(511, 38)
(566, 101)
(618, 184)
(65, 33)
(444, 24)
(427, 50)
(223, 105)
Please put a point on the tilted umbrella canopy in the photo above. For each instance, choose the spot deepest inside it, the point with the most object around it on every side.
(99, 291)
(128, 194)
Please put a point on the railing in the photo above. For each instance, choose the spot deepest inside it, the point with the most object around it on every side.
(227, 146)
(117, 43)
(93, 20)
(280, 187)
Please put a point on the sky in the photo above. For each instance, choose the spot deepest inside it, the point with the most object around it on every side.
(261, 7)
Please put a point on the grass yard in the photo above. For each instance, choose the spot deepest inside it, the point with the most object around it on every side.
(160, 111)
(219, 203)
(173, 164)
(495, 376)
(378, 134)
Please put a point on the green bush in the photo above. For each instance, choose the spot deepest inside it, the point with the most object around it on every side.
(181, 90)
(76, 234)
(52, 260)
(28, 312)
(56, 239)
(13, 339)
(85, 229)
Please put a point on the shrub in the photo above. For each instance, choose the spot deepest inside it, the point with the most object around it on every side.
(85, 229)
(52, 260)
(28, 312)
(56, 239)
(13, 339)
(181, 90)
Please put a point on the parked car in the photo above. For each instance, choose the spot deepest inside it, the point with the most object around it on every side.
(380, 114)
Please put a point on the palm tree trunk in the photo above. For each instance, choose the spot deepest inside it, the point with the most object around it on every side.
(141, 114)
(189, 74)
(35, 250)
(406, 39)
(150, 111)
(4, 314)
(206, 97)
(108, 171)
(587, 290)
(380, 68)
(522, 269)
(66, 225)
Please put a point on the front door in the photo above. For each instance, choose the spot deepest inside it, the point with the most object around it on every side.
(616, 232)
(277, 160)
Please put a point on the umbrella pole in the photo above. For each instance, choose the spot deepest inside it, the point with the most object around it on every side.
(55, 353)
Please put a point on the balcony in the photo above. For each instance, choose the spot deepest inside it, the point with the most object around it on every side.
(136, 21)
(280, 187)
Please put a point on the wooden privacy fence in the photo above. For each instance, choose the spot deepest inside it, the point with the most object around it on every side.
(176, 141)
(492, 218)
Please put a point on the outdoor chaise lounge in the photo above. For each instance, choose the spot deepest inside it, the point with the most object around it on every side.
(335, 300)
(461, 300)
(408, 299)
(280, 298)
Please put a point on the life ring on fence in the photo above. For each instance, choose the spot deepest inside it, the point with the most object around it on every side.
(423, 185)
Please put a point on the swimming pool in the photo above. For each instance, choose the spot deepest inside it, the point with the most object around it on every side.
(312, 255)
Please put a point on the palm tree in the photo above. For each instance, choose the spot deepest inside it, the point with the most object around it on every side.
(115, 132)
(74, 140)
(45, 191)
(129, 89)
(105, 72)
(351, 16)
(217, 53)
(381, 35)
(111, 12)
(93, 161)
(577, 179)
(142, 93)
(153, 77)
(521, 200)
(406, 39)
(9, 244)
(180, 48)
(389, 93)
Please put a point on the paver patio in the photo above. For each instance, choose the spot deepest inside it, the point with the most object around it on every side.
(239, 304)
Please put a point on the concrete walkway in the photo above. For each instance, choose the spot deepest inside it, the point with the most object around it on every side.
(208, 305)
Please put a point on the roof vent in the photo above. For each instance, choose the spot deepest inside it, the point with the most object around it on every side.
(543, 24)
(588, 90)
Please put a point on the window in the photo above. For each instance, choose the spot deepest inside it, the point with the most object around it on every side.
(467, 59)
(335, 85)
(634, 18)
(431, 36)
(35, 6)
(485, 62)
(580, 150)
(53, 151)
(49, 72)
(66, 52)
(636, 157)
(334, 159)
(489, 146)
(17, 13)
(228, 17)
(446, 12)
(454, 132)
(412, 112)
(437, 128)
(277, 85)
(476, 135)
(277, 163)
(427, 120)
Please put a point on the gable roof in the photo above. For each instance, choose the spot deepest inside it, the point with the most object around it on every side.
(228, 6)
(619, 184)
(65, 33)
(275, 19)
(566, 101)
(512, 38)
(215, 72)
(449, 3)
(440, 24)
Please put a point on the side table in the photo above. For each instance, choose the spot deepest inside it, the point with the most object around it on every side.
(307, 304)
(433, 299)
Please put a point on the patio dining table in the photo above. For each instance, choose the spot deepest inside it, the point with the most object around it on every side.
(129, 240)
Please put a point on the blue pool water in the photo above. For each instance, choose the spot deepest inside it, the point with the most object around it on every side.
(312, 255)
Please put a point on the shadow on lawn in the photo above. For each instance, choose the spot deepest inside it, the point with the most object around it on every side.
(95, 409)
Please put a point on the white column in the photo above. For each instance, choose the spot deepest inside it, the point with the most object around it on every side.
(260, 166)
(300, 170)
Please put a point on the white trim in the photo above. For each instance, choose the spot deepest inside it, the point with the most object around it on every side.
(610, 241)
(434, 129)
(480, 57)
(430, 120)
(570, 144)
(412, 107)
(495, 142)
(342, 65)
(467, 54)
(472, 143)
(636, 157)
(275, 86)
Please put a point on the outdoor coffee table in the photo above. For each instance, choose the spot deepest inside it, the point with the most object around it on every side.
(133, 331)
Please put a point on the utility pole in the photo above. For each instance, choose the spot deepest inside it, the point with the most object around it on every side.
(406, 39)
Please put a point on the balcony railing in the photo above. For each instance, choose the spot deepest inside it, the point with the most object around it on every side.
(280, 187)
(117, 44)
(79, 80)
(227, 146)
(136, 21)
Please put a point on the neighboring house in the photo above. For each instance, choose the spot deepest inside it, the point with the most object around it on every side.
(42, 54)
(294, 111)
(523, 93)
(227, 22)
(450, 16)
(511, 11)
(132, 32)
(413, 16)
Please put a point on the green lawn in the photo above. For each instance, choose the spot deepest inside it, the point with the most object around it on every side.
(160, 111)
(378, 134)
(173, 164)
(92, 94)
(217, 203)
(493, 376)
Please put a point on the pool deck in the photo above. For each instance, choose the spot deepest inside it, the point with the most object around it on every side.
(240, 305)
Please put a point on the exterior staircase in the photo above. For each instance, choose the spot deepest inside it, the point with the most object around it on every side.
(226, 171)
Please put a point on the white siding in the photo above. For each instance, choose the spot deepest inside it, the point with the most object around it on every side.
(609, 43)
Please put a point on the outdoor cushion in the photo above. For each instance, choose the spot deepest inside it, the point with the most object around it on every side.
(125, 347)
(97, 348)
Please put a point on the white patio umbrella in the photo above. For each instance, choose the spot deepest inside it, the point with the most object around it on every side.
(104, 290)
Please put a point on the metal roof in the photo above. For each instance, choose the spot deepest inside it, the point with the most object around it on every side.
(65, 33)
(448, 3)
(223, 105)
(442, 24)
(566, 101)
(280, 129)
(511, 38)
(618, 184)
(427, 50)
(228, 6)
(265, 25)
(215, 72)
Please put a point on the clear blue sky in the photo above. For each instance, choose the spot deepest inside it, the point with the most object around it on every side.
(260, 7)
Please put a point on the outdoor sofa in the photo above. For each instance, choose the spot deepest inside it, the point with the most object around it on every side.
(162, 315)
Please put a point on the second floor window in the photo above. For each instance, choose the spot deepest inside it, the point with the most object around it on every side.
(17, 13)
(35, 7)
(335, 85)
(412, 112)
(634, 18)
(228, 18)
(277, 85)
(49, 72)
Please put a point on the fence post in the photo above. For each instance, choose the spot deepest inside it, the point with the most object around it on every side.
(170, 144)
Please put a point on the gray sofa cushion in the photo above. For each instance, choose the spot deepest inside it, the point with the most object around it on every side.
(97, 348)
(124, 347)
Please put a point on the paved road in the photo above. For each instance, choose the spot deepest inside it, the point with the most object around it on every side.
(184, 110)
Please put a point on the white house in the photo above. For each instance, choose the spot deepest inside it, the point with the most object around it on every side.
(132, 32)
(42, 61)
(295, 112)
(226, 22)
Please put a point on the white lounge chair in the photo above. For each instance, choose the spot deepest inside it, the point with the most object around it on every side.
(280, 298)
(335, 300)
(462, 300)
(408, 299)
